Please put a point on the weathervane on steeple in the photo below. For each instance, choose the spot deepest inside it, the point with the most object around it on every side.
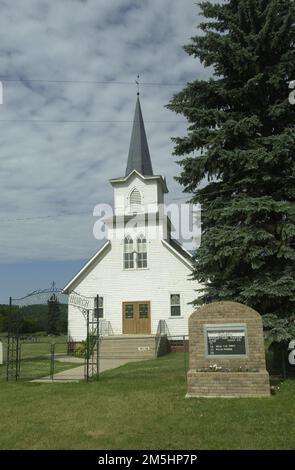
(137, 83)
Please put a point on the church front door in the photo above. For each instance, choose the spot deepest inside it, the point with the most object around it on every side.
(136, 318)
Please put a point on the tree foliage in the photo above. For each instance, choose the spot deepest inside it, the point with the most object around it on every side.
(53, 315)
(241, 141)
(279, 330)
(32, 318)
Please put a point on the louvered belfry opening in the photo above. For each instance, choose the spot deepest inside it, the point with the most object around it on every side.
(135, 201)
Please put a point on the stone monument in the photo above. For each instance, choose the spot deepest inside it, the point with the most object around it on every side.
(227, 357)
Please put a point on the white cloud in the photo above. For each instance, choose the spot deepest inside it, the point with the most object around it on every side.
(49, 168)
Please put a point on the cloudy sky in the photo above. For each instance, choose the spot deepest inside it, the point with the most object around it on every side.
(53, 172)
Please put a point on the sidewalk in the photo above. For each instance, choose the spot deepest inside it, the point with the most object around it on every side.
(77, 373)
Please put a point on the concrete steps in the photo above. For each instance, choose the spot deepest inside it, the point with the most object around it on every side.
(132, 347)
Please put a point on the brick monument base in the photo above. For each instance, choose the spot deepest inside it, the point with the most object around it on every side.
(227, 384)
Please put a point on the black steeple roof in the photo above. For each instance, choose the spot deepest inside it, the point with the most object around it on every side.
(139, 156)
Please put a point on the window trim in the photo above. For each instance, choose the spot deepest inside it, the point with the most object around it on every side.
(100, 308)
(129, 205)
(128, 237)
(135, 252)
(172, 305)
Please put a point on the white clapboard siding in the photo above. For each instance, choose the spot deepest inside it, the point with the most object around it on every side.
(166, 274)
(149, 191)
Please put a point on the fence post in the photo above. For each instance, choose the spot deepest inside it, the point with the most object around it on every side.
(184, 353)
(97, 337)
(17, 349)
(87, 348)
(52, 354)
(8, 353)
(284, 364)
(19, 359)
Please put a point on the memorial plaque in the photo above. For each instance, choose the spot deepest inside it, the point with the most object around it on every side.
(226, 340)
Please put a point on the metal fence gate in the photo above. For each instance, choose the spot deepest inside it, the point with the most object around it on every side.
(92, 344)
(49, 358)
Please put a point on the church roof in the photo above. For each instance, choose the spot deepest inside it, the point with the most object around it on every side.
(87, 265)
(139, 156)
(123, 179)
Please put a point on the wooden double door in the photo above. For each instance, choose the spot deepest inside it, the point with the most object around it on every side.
(136, 318)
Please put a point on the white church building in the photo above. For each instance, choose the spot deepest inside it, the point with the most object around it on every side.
(141, 274)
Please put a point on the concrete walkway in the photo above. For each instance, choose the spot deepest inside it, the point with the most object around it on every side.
(71, 359)
(77, 373)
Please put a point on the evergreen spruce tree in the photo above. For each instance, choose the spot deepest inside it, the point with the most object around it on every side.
(241, 138)
(53, 315)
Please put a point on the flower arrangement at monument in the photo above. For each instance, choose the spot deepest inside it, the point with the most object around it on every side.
(218, 368)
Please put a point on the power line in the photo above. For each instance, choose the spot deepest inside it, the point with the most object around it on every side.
(46, 217)
(67, 214)
(43, 217)
(94, 82)
(79, 121)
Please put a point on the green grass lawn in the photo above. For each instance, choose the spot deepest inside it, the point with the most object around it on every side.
(141, 406)
(36, 368)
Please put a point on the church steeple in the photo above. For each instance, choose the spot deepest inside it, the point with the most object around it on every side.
(139, 156)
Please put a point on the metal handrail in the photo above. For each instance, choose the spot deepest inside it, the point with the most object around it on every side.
(163, 328)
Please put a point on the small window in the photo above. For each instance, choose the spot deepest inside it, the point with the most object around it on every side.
(128, 311)
(98, 312)
(143, 311)
(135, 201)
(141, 252)
(175, 305)
(128, 253)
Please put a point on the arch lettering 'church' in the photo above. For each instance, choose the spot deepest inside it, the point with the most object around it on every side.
(142, 275)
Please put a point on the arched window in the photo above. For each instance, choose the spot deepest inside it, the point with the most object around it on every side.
(135, 201)
(141, 252)
(128, 253)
